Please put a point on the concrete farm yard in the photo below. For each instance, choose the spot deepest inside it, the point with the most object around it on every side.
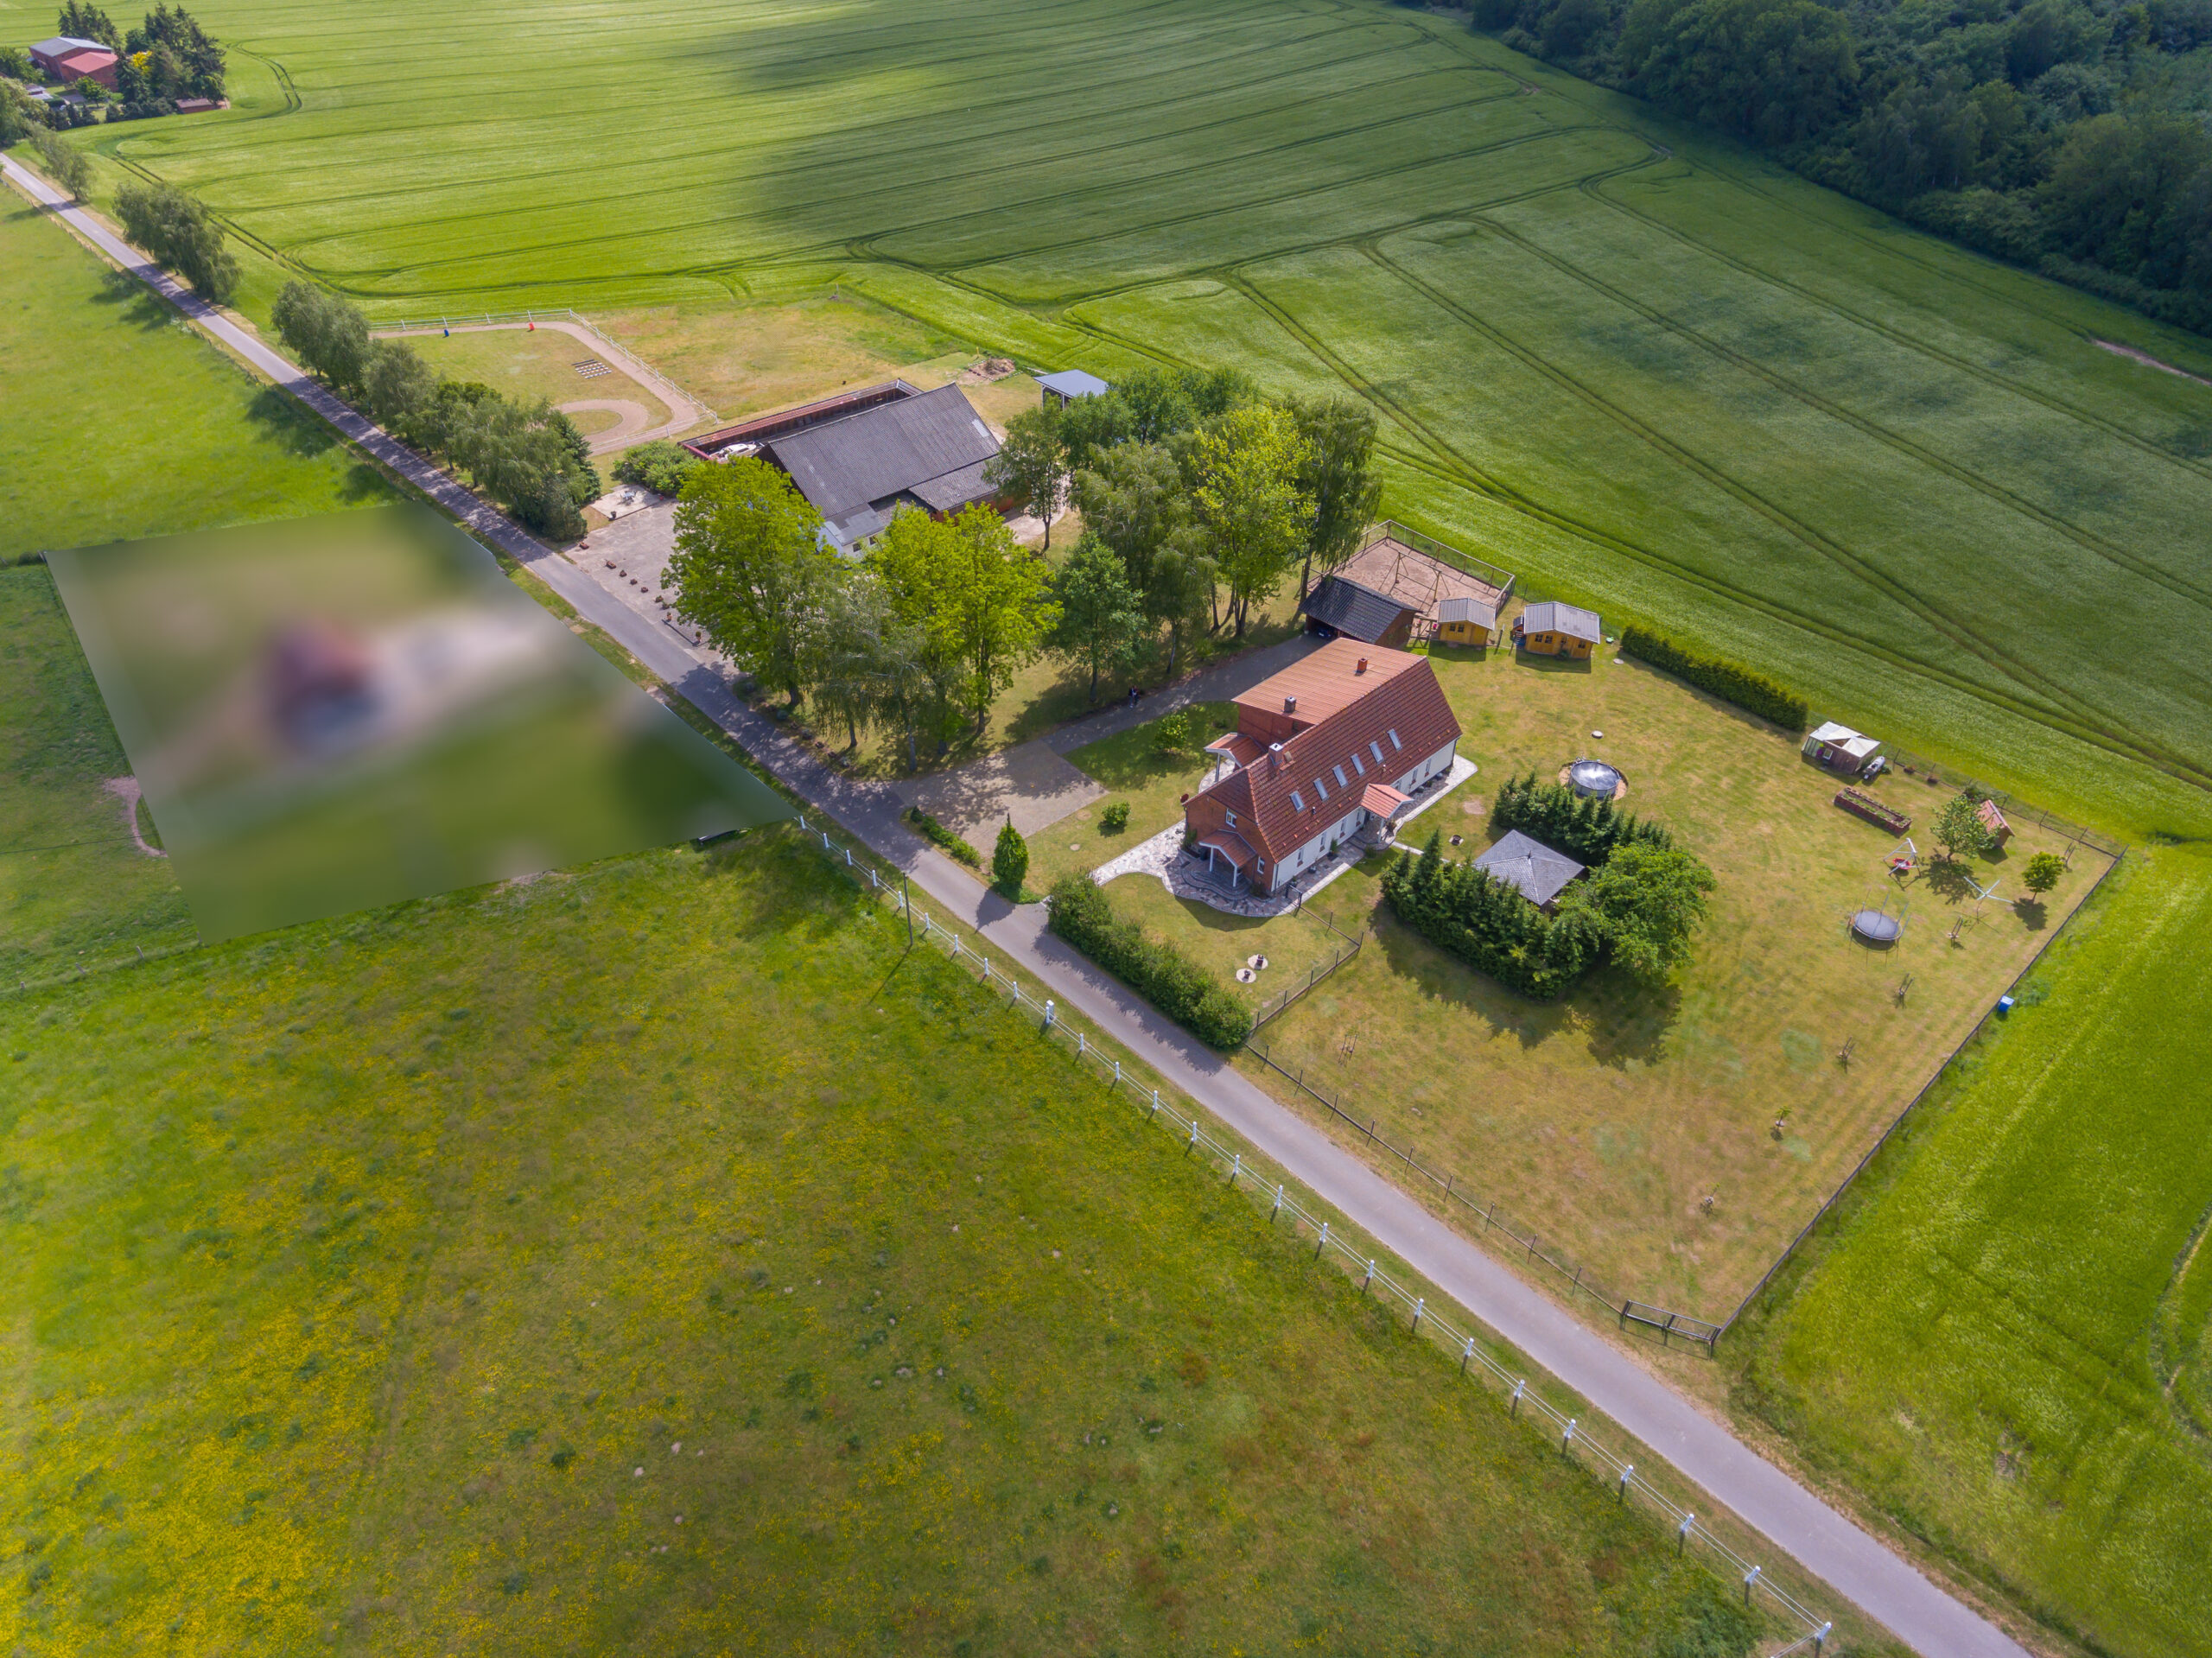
(1603, 1120)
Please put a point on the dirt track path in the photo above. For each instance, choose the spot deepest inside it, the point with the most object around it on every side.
(686, 412)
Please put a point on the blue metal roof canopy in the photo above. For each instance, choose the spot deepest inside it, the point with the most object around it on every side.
(1072, 382)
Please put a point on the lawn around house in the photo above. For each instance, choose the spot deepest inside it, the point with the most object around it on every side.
(1603, 1120)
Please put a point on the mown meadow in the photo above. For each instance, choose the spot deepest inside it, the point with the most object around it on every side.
(2000, 1340)
(121, 422)
(1624, 359)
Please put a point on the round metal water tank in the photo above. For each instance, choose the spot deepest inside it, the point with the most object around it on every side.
(1594, 778)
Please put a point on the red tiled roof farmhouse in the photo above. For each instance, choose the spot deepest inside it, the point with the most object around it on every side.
(1349, 716)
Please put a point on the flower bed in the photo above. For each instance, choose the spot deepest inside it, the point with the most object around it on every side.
(1864, 805)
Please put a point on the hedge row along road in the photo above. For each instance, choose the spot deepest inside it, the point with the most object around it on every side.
(1825, 1542)
(1627, 360)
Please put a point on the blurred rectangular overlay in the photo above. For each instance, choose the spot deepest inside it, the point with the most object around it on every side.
(340, 712)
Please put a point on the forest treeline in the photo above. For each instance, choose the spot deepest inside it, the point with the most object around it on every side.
(2070, 136)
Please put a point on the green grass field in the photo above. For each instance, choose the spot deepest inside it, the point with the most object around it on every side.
(2001, 1339)
(658, 1257)
(529, 365)
(1634, 362)
(121, 422)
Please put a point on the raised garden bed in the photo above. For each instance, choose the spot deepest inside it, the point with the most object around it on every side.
(1860, 804)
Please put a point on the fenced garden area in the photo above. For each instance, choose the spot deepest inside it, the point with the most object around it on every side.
(1667, 1144)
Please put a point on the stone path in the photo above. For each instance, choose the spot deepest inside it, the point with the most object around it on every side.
(1829, 1544)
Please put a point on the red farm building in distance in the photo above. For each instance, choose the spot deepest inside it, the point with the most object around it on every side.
(1342, 739)
(70, 59)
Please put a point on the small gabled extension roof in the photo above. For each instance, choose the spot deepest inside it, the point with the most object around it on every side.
(931, 446)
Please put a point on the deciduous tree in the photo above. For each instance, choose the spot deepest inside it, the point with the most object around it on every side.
(1338, 475)
(1647, 899)
(750, 568)
(1101, 622)
(2043, 872)
(65, 163)
(178, 232)
(1249, 500)
(1010, 862)
(1960, 831)
(1031, 464)
(325, 331)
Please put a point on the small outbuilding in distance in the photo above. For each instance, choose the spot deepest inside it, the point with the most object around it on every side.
(1338, 607)
(1466, 621)
(1532, 868)
(1550, 628)
(1841, 749)
(1058, 390)
(1994, 821)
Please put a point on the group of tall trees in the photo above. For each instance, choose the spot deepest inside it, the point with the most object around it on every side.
(1207, 496)
(2064, 134)
(1199, 498)
(176, 228)
(529, 457)
(917, 637)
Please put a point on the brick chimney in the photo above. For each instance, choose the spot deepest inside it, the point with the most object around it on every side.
(1290, 703)
(1362, 666)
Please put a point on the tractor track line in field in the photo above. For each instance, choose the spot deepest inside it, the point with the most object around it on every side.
(1255, 161)
(2088, 540)
(868, 247)
(1815, 540)
(705, 156)
(1062, 158)
(1899, 336)
(1456, 468)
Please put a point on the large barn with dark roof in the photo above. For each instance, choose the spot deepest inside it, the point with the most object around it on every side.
(861, 455)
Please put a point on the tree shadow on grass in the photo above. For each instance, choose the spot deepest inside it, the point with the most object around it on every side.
(2033, 916)
(285, 422)
(1627, 1020)
(133, 301)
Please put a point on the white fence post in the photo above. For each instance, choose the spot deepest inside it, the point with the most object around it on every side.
(1117, 1073)
(1750, 1578)
(1682, 1532)
(1466, 1353)
(1155, 1102)
(1323, 1243)
(1567, 1439)
(1519, 1387)
(1236, 1167)
(1277, 1209)
(1627, 1470)
(1048, 1013)
(1370, 1279)
(1419, 1304)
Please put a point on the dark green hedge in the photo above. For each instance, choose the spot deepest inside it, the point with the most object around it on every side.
(1585, 829)
(1488, 925)
(943, 838)
(1738, 684)
(1081, 913)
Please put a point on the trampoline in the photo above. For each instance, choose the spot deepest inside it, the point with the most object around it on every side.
(1877, 927)
(1595, 779)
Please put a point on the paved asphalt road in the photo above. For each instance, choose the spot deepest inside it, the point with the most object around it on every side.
(1827, 1544)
